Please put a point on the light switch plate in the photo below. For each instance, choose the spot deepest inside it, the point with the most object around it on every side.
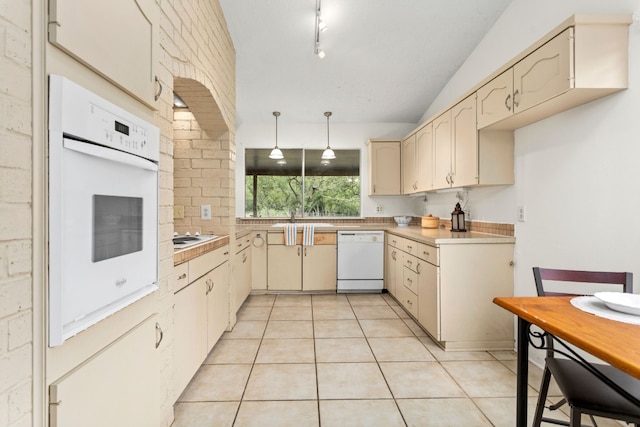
(521, 214)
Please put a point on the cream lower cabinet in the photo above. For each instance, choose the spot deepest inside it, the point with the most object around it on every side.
(119, 386)
(470, 276)
(393, 268)
(259, 260)
(302, 268)
(242, 271)
(449, 289)
(200, 313)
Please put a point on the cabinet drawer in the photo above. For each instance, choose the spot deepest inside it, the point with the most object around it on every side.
(428, 253)
(410, 262)
(182, 275)
(393, 240)
(201, 265)
(408, 300)
(242, 243)
(410, 280)
(409, 246)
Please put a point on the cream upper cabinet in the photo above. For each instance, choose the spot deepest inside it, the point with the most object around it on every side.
(409, 178)
(117, 39)
(495, 99)
(584, 59)
(424, 158)
(417, 161)
(545, 73)
(384, 167)
(442, 151)
(464, 140)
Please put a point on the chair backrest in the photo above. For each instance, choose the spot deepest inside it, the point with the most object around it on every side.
(622, 280)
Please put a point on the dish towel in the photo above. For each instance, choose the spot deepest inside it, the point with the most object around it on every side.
(307, 234)
(290, 232)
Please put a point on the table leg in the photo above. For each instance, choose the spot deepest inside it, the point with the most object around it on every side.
(523, 373)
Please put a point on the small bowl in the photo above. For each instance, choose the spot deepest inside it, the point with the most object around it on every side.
(402, 221)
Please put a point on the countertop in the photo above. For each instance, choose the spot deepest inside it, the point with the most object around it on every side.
(429, 236)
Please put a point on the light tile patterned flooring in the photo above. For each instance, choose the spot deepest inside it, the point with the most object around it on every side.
(346, 360)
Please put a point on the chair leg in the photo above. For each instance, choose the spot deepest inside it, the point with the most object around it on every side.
(542, 397)
(575, 417)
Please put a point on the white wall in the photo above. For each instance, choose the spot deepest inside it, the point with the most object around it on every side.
(577, 173)
(314, 135)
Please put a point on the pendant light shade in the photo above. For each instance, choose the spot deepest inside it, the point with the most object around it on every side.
(276, 153)
(328, 153)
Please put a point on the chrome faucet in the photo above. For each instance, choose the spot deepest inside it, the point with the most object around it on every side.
(293, 217)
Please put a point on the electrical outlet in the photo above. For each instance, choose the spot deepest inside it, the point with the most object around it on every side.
(205, 212)
(379, 209)
(521, 214)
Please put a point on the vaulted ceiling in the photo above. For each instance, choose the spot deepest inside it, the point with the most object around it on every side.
(386, 60)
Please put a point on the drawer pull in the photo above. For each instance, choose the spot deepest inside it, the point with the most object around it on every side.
(409, 247)
(182, 276)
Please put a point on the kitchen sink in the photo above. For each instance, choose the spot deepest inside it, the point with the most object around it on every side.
(317, 224)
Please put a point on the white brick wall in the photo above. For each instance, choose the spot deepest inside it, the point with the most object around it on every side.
(195, 44)
(15, 213)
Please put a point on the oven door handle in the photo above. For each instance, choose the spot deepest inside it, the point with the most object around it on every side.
(110, 154)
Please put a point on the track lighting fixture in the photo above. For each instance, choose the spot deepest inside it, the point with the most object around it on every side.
(320, 27)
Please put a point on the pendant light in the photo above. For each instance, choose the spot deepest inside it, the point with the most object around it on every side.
(328, 153)
(276, 154)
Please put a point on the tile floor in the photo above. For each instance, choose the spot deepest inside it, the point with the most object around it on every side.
(346, 360)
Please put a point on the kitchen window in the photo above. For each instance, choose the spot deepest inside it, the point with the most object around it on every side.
(302, 183)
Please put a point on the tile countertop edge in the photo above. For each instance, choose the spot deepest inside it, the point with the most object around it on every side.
(183, 255)
(442, 236)
(433, 236)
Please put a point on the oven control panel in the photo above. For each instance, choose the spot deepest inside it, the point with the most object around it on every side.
(119, 133)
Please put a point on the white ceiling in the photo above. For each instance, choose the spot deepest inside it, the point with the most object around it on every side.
(386, 60)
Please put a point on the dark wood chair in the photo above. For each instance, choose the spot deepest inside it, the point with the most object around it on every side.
(583, 391)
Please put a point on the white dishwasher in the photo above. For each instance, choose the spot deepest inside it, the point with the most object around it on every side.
(360, 261)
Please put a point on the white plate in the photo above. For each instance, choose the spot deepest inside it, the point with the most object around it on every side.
(620, 301)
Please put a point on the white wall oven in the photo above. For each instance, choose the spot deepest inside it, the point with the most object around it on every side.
(103, 209)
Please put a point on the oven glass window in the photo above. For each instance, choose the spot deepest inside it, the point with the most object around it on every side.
(117, 226)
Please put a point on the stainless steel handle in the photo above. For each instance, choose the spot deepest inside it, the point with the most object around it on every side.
(159, 332)
(182, 276)
(516, 101)
(507, 102)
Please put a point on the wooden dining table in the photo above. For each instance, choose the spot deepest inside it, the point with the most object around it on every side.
(612, 341)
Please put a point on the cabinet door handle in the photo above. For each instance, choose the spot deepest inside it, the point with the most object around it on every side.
(516, 100)
(159, 335)
(507, 102)
(244, 258)
(451, 178)
(182, 276)
(418, 268)
(374, 189)
(393, 255)
(157, 95)
(298, 250)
